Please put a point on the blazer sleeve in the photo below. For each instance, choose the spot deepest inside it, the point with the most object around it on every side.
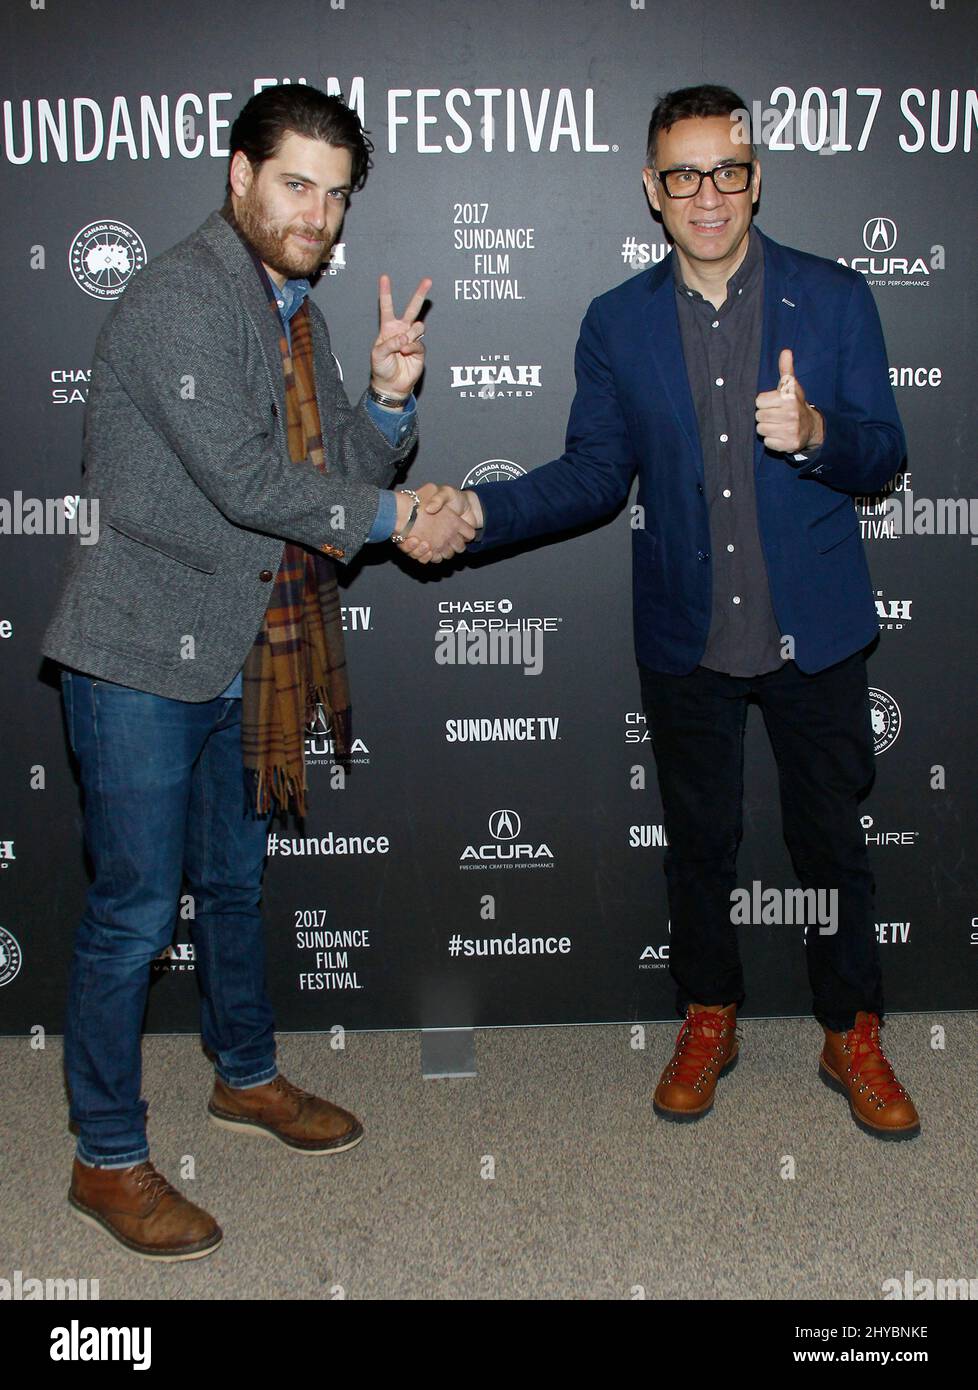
(592, 477)
(864, 442)
(180, 356)
(356, 448)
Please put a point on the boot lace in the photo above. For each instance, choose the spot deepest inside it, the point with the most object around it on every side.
(869, 1065)
(151, 1182)
(288, 1088)
(698, 1046)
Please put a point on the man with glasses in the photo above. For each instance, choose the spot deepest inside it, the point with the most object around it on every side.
(746, 383)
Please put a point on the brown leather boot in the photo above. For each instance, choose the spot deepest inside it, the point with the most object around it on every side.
(706, 1049)
(297, 1119)
(143, 1212)
(853, 1063)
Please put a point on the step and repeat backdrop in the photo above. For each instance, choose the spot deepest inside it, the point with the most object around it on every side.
(495, 855)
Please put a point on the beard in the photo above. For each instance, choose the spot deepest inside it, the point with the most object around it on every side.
(272, 242)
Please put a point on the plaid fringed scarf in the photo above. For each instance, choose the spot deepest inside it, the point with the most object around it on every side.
(297, 661)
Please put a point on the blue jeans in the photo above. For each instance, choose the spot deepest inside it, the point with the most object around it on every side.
(164, 799)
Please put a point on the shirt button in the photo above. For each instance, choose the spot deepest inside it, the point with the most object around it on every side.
(726, 492)
(715, 323)
(736, 598)
(280, 303)
(730, 547)
(266, 576)
(719, 381)
(724, 438)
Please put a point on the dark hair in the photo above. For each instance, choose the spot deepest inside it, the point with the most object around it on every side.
(264, 121)
(685, 102)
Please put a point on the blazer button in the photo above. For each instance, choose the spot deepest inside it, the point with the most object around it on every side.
(266, 576)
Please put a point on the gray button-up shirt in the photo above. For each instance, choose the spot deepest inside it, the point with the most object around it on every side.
(722, 349)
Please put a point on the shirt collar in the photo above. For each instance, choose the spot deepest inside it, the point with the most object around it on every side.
(741, 277)
(289, 296)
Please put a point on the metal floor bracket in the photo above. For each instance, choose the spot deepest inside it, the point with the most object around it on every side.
(447, 1052)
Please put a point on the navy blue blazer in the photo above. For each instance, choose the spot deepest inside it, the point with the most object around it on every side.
(633, 411)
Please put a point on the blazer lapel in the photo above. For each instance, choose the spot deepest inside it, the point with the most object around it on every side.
(234, 256)
(320, 351)
(662, 343)
(782, 311)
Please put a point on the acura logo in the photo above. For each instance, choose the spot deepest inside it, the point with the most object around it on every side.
(504, 825)
(880, 234)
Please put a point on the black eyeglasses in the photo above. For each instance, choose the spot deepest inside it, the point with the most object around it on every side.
(686, 183)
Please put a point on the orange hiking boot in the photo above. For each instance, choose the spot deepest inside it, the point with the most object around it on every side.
(853, 1063)
(706, 1049)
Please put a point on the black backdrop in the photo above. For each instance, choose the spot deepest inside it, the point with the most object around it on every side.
(527, 121)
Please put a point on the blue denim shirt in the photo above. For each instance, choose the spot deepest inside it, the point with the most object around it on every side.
(392, 424)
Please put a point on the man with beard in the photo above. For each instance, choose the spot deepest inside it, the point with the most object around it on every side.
(203, 629)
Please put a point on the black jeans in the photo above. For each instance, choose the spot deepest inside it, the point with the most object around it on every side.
(821, 733)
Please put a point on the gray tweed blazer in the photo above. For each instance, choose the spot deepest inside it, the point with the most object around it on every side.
(186, 454)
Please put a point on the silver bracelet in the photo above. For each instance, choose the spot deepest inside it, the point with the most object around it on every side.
(391, 402)
(398, 536)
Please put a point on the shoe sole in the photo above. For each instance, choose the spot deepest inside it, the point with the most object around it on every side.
(91, 1218)
(683, 1117)
(241, 1126)
(834, 1083)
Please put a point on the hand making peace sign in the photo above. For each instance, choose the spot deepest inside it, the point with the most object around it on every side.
(397, 356)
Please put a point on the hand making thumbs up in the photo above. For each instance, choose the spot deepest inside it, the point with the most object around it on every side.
(785, 420)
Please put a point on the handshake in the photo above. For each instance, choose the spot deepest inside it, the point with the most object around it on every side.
(444, 522)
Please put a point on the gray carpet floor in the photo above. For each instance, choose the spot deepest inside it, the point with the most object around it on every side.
(592, 1197)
